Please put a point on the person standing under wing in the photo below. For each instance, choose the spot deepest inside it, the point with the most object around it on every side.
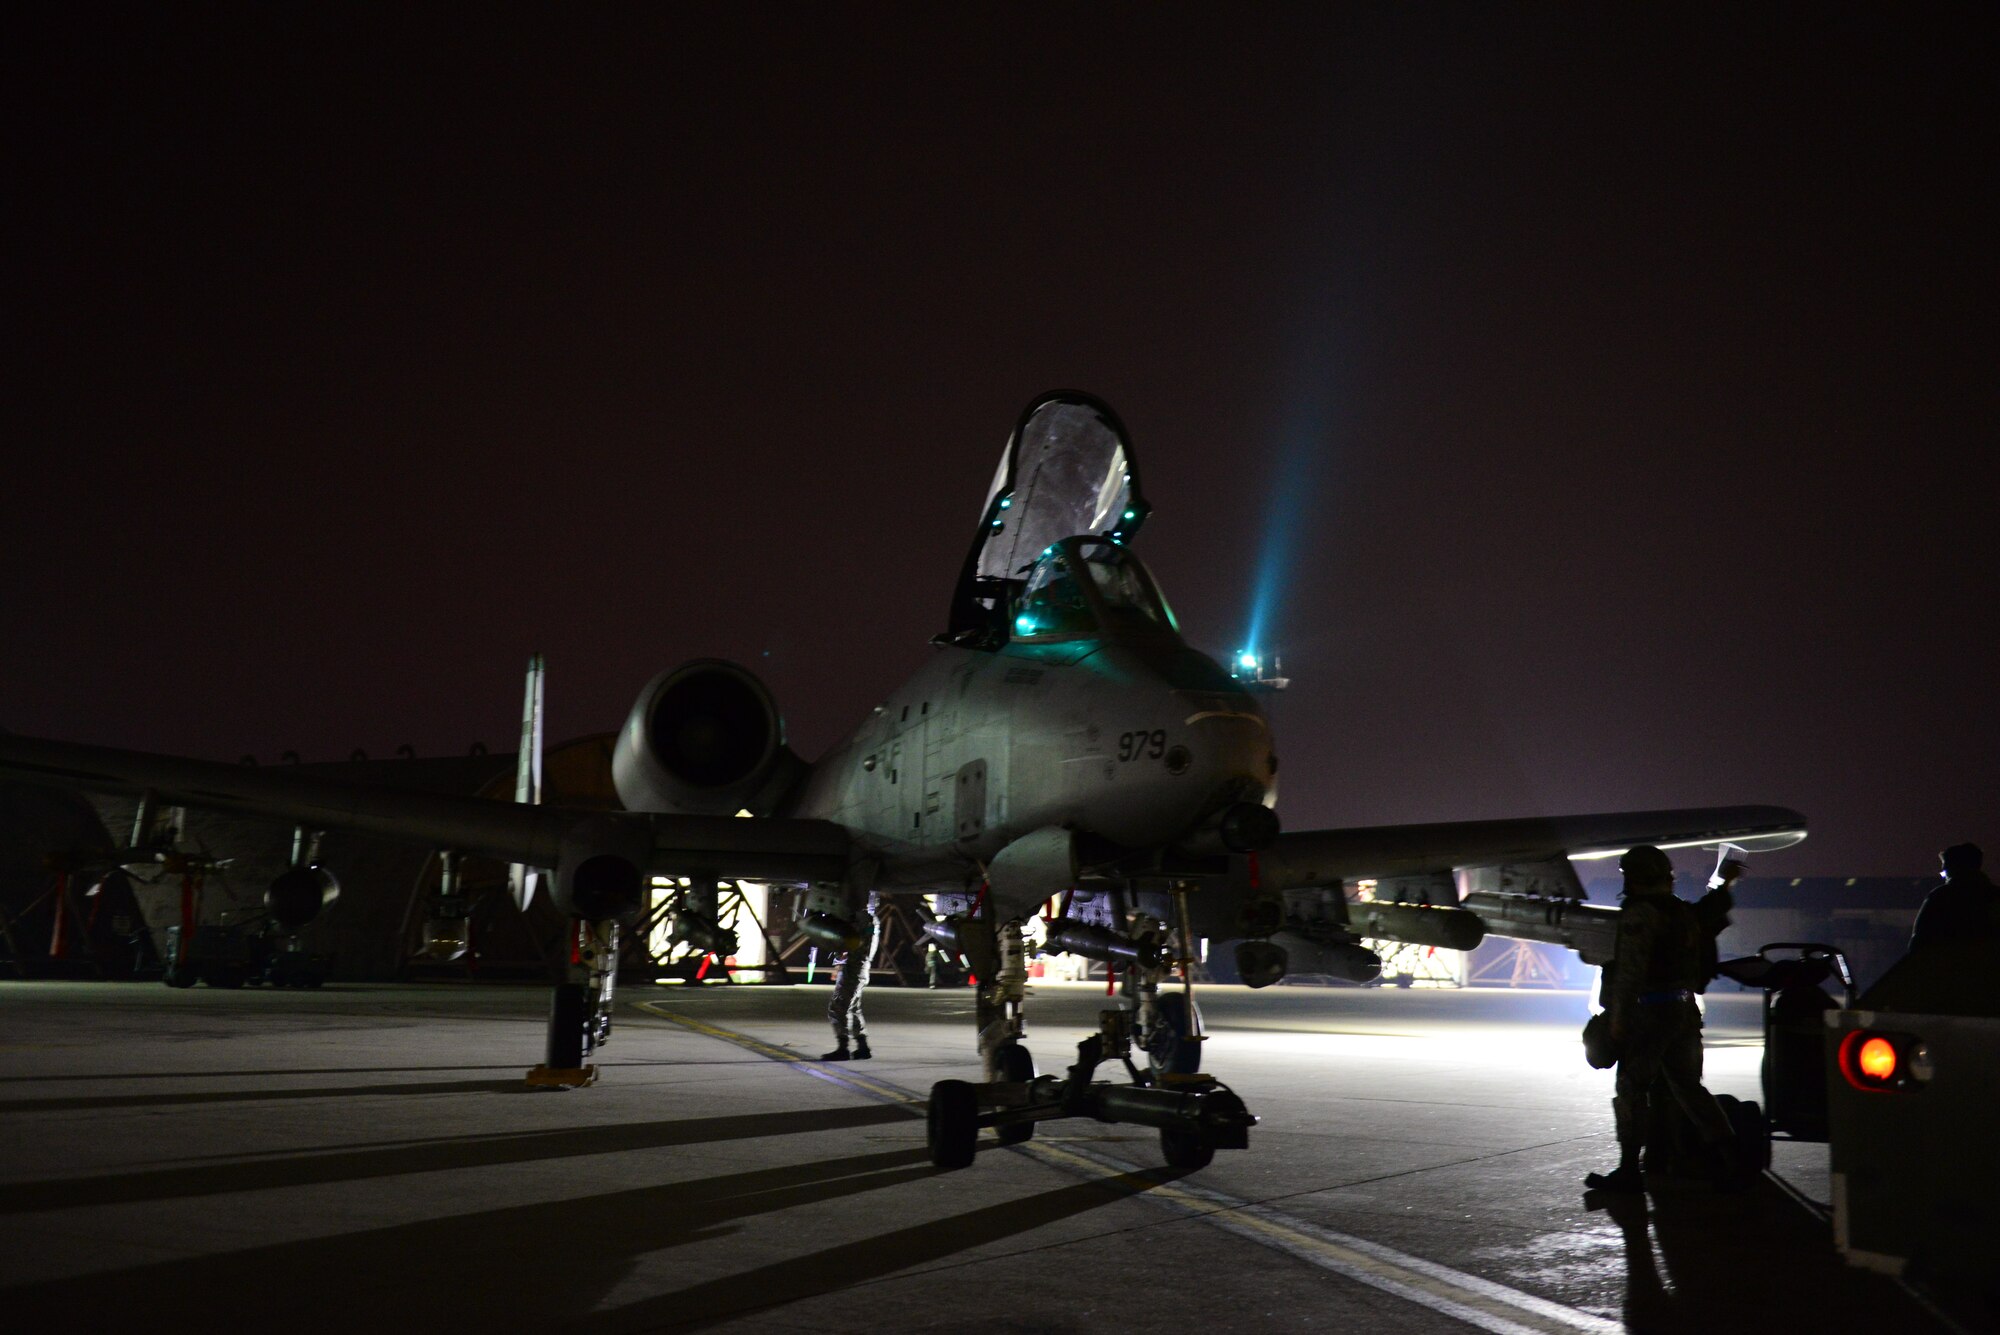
(849, 981)
(1659, 965)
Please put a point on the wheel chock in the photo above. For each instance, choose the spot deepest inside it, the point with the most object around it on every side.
(556, 1077)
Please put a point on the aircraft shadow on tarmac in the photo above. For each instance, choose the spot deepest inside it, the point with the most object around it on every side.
(1698, 1262)
(187, 1074)
(551, 1263)
(848, 1264)
(102, 1102)
(190, 1074)
(347, 1165)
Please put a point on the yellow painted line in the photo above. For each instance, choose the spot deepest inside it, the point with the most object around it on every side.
(1468, 1298)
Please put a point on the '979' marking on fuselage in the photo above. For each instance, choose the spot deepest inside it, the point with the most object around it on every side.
(1142, 745)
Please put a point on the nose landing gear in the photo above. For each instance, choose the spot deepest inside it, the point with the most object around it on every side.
(1196, 1114)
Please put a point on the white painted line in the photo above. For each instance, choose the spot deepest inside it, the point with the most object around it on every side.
(1477, 1302)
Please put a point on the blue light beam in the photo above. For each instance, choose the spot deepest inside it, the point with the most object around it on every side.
(1304, 446)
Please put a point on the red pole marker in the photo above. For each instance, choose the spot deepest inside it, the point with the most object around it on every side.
(706, 960)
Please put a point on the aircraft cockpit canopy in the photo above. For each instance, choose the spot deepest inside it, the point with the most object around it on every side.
(1068, 471)
(1088, 586)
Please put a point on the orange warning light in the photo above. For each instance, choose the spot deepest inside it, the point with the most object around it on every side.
(1877, 1059)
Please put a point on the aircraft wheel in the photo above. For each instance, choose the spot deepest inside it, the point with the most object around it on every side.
(1186, 1150)
(175, 976)
(1016, 1065)
(1170, 1049)
(952, 1126)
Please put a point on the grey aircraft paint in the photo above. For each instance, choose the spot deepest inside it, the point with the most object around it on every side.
(1064, 736)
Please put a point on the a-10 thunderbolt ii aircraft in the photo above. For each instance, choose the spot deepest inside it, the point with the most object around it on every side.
(1065, 752)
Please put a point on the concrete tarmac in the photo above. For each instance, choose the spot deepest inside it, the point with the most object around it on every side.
(369, 1158)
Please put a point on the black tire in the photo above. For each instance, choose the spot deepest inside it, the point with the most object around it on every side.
(1172, 1049)
(569, 1012)
(1016, 1065)
(176, 976)
(952, 1126)
(1186, 1150)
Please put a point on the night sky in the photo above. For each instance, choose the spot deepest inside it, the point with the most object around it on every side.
(1603, 397)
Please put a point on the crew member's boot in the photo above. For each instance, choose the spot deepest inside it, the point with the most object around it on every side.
(1624, 1179)
(861, 1052)
(840, 1053)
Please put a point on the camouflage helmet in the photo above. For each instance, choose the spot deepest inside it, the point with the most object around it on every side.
(1646, 863)
(1599, 1048)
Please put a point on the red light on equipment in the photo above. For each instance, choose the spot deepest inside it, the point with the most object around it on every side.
(1877, 1058)
(1877, 1061)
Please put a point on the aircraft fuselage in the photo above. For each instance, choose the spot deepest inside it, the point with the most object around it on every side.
(1131, 743)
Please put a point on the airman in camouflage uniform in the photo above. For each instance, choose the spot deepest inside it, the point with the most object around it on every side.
(844, 1010)
(1665, 954)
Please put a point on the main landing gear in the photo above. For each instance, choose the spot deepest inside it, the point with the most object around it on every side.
(580, 1009)
(1196, 1114)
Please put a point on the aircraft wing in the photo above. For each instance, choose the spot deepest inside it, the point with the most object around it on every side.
(1328, 857)
(538, 836)
(1502, 859)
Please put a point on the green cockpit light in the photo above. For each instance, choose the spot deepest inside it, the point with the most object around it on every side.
(1088, 586)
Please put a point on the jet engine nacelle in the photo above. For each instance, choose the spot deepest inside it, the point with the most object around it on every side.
(704, 739)
(297, 896)
(603, 869)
